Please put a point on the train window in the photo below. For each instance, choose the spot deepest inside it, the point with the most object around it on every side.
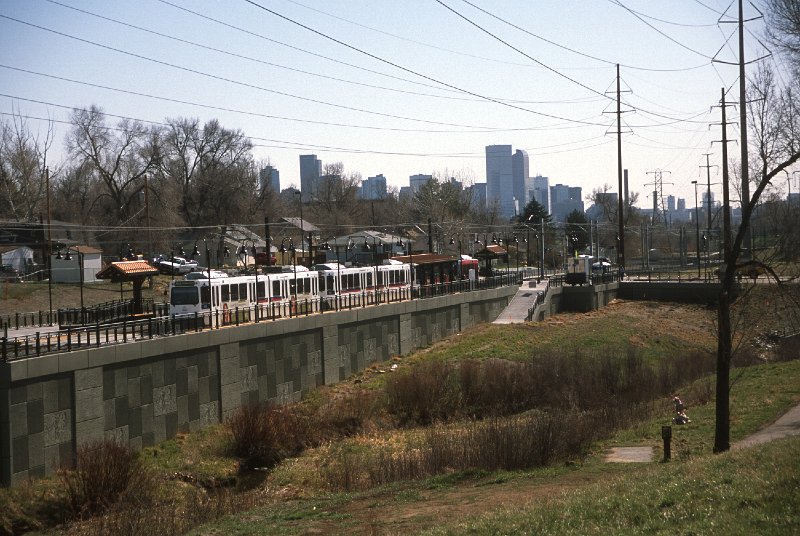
(226, 293)
(276, 289)
(380, 279)
(369, 279)
(184, 296)
(242, 291)
(205, 297)
(292, 286)
(261, 289)
(234, 292)
(330, 283)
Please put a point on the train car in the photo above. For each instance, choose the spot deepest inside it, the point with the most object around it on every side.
(351, 284)
(278, 293)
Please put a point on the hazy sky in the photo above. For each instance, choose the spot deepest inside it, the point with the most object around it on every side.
(398, 87)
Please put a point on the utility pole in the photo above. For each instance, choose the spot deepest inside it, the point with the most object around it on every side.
(658, 194)
(49, 250)
(147, 216)
(620, 202)
(743, 131)
(726, 208)
(708, 193)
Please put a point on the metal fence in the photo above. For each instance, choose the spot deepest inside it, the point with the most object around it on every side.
(98, 334)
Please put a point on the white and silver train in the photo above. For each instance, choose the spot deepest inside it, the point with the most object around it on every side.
(290, 292)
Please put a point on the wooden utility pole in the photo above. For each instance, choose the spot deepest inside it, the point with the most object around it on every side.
(620, 202)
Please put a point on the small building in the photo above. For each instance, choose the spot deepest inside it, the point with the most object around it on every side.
(81, 258)
(20, 258)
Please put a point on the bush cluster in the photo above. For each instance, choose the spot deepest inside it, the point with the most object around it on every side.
(103, 474)
(439, 391)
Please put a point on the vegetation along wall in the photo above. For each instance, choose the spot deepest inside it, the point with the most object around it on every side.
(145, 392)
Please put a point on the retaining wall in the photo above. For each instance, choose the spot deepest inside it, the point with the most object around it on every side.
(145, 392)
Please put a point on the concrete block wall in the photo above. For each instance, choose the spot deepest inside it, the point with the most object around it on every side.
(41, 434)
(145, 392)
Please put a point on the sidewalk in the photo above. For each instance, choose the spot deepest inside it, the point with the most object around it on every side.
(517, 310)
(787, 425)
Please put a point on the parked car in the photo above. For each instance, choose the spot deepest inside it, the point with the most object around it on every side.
(9, 273)
(176, 265)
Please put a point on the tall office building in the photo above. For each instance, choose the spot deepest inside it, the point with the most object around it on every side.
(269, 177)
(500, 178)
(310, 172)
(519, 171)
(478, 192)
(418, 181)
(563, 200)
(541, 191)
(374, 188)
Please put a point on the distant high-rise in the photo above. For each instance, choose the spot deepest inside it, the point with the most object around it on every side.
(418, 181)
(681, 203)
(310, 172)
(563, 200)
(671, 203)
(269, 177)
(478, 190)
(374, 188)
(541, 191)
(519, 171)
(500, 178)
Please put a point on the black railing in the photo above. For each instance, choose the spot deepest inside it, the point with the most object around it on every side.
(102, 334)
(108, 312)
(540, 298)
(28, 320)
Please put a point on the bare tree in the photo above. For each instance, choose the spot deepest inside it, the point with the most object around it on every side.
(23, 161)
(335, 200)
(119, 157)
(776, 153)
(211, 171)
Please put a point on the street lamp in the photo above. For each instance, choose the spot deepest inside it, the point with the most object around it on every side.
(460, 268)
(68, 257)
(697, 227)
(291, 249)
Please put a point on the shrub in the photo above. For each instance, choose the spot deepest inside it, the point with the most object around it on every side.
(103, 474)
(264, 434)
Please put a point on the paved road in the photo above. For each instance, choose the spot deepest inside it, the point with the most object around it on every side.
(517, 309)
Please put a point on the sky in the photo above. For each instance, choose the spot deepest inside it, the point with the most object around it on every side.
(399, 87)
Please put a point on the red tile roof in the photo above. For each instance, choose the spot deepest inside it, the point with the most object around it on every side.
(127, 268)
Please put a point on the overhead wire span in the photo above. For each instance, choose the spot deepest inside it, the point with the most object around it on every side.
(578, 52)
(294, 69)
(291, 95)
(473, 128)
(406, 69)
(690, 49)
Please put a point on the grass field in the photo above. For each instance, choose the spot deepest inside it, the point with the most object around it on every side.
(755, 491)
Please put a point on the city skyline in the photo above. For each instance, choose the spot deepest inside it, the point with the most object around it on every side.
(354, 84)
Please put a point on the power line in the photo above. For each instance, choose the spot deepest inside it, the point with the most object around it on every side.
(298, 49)
(406, 69)
(512, 47)
(623, 6)
(474, 128)
(291, 95)
(578, 52)
(685, 25)
(293, 69)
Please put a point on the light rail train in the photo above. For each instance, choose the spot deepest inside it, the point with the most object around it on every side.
(300, 289)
